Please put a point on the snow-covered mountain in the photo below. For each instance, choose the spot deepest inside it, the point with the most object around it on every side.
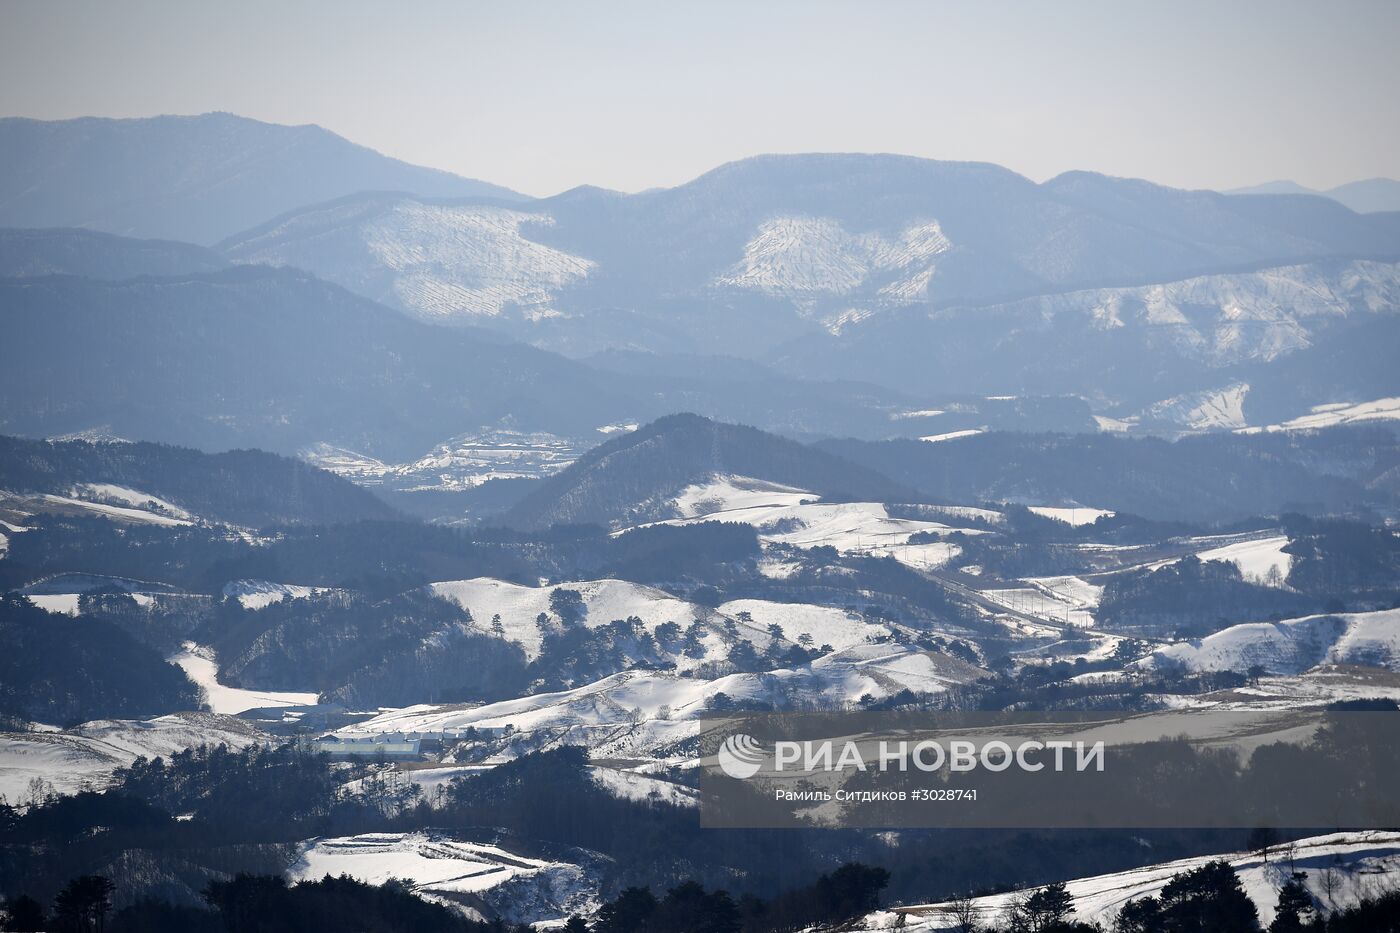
(435, 261)
(909, 273)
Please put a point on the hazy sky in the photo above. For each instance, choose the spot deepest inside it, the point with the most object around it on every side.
(544, 96)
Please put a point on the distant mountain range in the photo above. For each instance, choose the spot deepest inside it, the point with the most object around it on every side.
(925, 277)
(1365, 197)
(799, 293)
(195, 178)
(275, 358)
(638, 476)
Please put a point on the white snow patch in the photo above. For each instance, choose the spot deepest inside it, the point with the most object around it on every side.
(119, 513)
(121, 495)
(799, 256)
(1071, 515)
(519, 606)
(1326, 416)
(199, 666)
(724, 493)
(259, 594)
(1255, 558)
(952, 435)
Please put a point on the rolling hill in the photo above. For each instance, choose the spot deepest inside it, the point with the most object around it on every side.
(636, 477)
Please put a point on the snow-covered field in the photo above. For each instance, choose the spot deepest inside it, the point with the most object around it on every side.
(1362, 863)
(481, 878)
(1295, 645)
(604, 600)
(463, 462)
(259, 594)
(1063, 600)
(1256, 557)
(783, 515)
(825, 624)
(117, 512)
(199, 665)
(86, 755)
(112, 494)
(1326, 416)
(1071, 515)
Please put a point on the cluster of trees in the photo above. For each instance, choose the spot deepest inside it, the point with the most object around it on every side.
(846, 893)
(1192, 598)
(1206, 898)
(1348, 561)
(246, 903)
(358, 649)
(62, 670)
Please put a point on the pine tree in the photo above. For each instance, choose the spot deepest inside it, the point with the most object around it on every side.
(1294, 905)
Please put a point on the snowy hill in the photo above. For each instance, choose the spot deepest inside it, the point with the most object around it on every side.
(436, 261)
(1362, 864)
(1293, 646)
(638, 476)
(85, 756)
(784, 515)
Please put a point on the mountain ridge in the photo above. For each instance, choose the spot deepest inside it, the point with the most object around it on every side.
(194, 178)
